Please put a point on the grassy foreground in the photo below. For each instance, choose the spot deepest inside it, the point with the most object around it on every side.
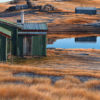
(28, 88)
(65, 63)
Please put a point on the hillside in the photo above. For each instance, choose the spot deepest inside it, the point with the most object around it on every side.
(4, 6)
(65, 15)
(60, 4)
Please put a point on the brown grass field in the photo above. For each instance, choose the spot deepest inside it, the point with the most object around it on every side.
(65, 63)
(3, 7)
(57, 20)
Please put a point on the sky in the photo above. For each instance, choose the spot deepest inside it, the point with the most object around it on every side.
(4, 0)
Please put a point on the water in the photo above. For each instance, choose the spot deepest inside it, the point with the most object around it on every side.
(73, 43)
(4, 1)
(53, 78)
(86, 78)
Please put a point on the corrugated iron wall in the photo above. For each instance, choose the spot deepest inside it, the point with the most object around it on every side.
(86, 10)
(3, 48)
(38, 45)
(14, 31)
(14, 41)
(44, 41)
(38, 42)
(20, 46)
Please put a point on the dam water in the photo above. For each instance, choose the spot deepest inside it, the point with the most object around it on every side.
(91, 42)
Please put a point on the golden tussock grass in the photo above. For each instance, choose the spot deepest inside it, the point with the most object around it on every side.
(46, 92)
(68, 88)
(24, 80)
(15, 79)
(69, 35)
(41, 80)
(2, 73)
(4, 6)
(50, 71)
(21, 91)
(92, 83)
(65, 89)
(73, 20)
(78, 92)
(87, 2)
(68, 83)
(77, 20)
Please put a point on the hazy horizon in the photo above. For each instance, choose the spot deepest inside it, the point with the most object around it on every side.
(4, 1)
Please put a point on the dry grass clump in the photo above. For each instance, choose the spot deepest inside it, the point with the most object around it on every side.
(3, 73)
(3, 7)
(65, 84)
(77, 21)
(92, 83)
(76, 93)
(66, 89)
(73, 98)
(69, 83)
(80, 1)
(87, 2)
(15, 87)
(73, 20)
(80, 92)
(50, 71)
(41, 80)
(72, 79)
(24, 80)
(44, 88)
(21, 92)
(46, 92)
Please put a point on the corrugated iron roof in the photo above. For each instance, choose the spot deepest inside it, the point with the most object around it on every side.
(2, 20)
(5, 32)
(34, 26)
(26, 26)
(86, 8)
(32, 33)
(9, 23)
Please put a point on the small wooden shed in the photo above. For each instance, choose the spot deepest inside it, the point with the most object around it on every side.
(86, 39)
(5, 38)
(86, 10)
(32, 39)
(28, 39)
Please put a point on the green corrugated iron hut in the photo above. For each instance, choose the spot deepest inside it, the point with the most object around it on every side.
(13, 28)
(32, 39)
(8, 36)
(5, 38)
(27, 39)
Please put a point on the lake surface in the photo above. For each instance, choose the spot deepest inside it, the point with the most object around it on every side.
(73, 43)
